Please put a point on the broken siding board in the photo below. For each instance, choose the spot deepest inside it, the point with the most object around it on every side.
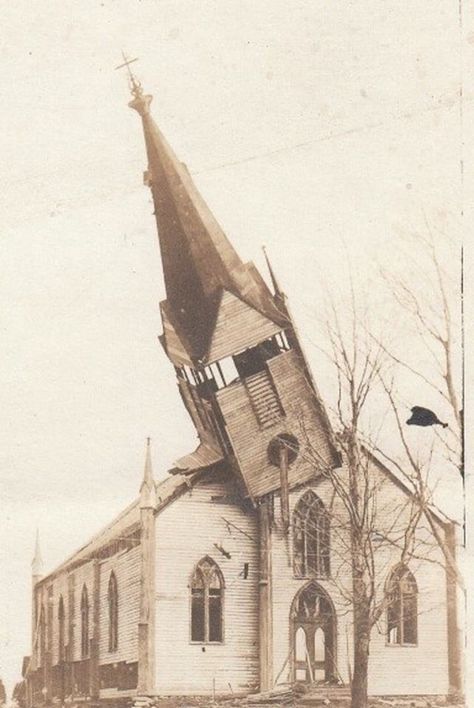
(196, 409)
(238, 327)
(250, 441)
(186, 531)
(174, 346)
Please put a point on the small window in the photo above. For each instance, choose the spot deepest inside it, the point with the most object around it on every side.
(207, 588)
(112, 596)
(402, 610)
(84, 623)
(311, 537)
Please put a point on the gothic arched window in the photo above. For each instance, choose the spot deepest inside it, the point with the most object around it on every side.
(84, 623)
(402, 609)
(41, 636)
(112, 596)
(61, 629)
(207, 590)
(310, 537)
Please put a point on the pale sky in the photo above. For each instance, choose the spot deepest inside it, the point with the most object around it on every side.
(325, 130)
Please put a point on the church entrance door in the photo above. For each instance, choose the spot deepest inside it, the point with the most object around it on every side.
(313, 635)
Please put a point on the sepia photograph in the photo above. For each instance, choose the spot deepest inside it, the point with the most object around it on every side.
(232, 341)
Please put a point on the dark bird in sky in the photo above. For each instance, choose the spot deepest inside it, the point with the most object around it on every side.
(424, 417)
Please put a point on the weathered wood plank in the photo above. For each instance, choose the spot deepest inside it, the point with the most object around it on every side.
(250, 439)
(238, 326)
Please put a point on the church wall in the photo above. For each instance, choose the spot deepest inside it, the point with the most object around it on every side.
(126, 566)
(392, 669)
(186, 531)
(50, 593)
(60, 588)
(84, 574)
(285, 585)
(41, 599)
(421, 669)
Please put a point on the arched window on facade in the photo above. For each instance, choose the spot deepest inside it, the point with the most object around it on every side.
(402, 610)
(207, 595)
(112, 596)
(84, 623)
(61, 629)
(311, 537)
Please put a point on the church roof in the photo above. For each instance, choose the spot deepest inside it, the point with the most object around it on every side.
(199, 261)
(395, 477)
(127, 522)
(204, 456)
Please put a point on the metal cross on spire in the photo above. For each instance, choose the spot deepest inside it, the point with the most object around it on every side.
(135, 85)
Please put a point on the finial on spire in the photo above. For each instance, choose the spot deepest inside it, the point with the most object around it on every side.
(37, 562)
(135, 85)
(147, 489)
(140, 103)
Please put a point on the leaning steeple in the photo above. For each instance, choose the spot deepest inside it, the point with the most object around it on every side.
(239, 366)
(199, 262)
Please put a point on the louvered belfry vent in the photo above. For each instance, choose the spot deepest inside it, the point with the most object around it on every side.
(264, 398)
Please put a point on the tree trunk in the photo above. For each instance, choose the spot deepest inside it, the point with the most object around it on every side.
(361, 666)
(361, 581)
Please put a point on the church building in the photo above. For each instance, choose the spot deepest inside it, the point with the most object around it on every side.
(231, 575)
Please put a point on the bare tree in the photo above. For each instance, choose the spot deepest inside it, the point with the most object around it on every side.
(370, 535)
(428, 300)
(361, 538)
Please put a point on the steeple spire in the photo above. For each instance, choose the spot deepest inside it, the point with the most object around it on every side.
(147, 489)
(199, 262)
(37, 562)
(276, 287)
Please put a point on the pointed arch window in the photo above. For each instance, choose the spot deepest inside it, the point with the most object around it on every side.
(84, 623)
(112, 596)
(207, 595)
(402, 609)
(61, 630)
(311, 537)
(42, 637)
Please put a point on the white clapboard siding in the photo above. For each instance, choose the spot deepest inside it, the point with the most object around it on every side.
(238, 326)
(186, 532)
(422, 669)
(392, 669)
(250, 436)
(126, 566)
(84, 575)
(286, 585)
(60, 588)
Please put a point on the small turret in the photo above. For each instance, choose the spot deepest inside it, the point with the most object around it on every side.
(147, 489)
(37, 562)
(146, 622)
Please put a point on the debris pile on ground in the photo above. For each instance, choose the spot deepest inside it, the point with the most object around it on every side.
(298, 696)
(279, 696)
